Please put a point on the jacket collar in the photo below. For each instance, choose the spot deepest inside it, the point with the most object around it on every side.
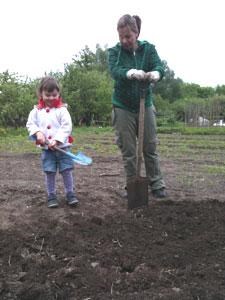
(141, 44)
(56, 103)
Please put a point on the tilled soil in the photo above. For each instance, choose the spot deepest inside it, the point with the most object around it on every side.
(172, 249)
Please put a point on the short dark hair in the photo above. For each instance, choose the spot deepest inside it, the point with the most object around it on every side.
(48, 84)
(134, 22)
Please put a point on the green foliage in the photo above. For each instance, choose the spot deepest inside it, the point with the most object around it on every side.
(214, 170)
(192, 90)
(212, 108)
(3, 132)
(181, 129)
(220, 90)
(87, 88)
(88, 93)
(88, 60)
(167, 121)
(16, 100)
(85, 59)
(169, 88)
(161, 104)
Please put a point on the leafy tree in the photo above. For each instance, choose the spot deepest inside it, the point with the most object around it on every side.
(190, 90)
(87, 86)
(220, 90)
(169, 87)
(86, 59)
(161, 104)
(16, 99)
(101, 58)
(88, 93)
(205, 92)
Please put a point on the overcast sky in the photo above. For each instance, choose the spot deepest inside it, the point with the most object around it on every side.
(38, 36)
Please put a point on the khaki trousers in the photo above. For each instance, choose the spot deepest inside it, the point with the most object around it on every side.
(125, 124)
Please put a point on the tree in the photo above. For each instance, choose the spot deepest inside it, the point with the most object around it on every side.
(169, 87)
(88, 93)
(16, 99)
(85, 59)
(101, 58)
(220, 90)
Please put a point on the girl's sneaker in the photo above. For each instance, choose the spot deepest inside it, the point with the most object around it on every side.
(52, 201)
(71, 199)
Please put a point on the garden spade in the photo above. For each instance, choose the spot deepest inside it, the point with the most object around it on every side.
(79, 158)
(137, 188)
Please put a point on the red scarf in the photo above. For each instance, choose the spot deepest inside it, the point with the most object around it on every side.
(56, 103)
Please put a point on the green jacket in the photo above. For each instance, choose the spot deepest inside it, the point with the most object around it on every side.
(126, 93)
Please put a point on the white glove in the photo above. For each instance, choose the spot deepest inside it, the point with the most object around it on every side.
(136, 74)
(153, 76)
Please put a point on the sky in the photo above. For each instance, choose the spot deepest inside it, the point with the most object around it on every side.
(39, 36)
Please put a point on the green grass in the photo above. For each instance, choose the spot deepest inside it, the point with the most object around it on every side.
(214, 170)
(185, 130)
(97, 139)
(189, 142)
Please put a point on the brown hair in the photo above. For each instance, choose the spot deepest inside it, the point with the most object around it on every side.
(48, 84)
(138, 22)
(134, 22)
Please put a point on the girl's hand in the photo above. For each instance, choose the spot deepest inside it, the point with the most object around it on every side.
(53, 144)
(40, 138)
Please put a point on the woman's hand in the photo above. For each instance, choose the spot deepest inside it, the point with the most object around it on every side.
(136, 74)
(152, 76)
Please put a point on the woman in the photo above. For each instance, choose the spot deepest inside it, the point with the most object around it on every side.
(132, 62)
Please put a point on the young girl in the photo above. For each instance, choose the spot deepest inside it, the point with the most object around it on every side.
(50, 124)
